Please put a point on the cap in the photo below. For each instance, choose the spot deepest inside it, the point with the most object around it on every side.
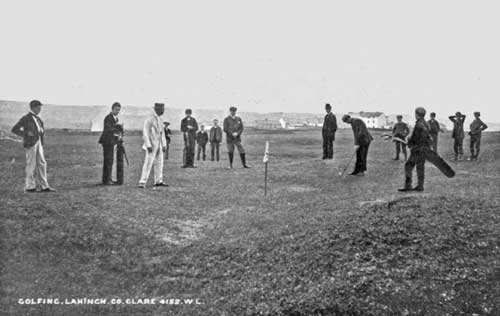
(346, 117)
(399, 116)
(116, 104)
(166, 123)
(35, 103)
(433, 114)
(477, 113)
(233, 108)
(420, 111)
(188, 111)
(458, 114)
(328, 106)
(159, 105)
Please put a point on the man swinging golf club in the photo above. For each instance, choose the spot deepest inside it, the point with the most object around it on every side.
(362, 140)
(420, 143)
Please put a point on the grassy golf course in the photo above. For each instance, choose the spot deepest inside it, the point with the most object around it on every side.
(317, 244)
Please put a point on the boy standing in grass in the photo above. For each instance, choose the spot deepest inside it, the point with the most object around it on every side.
(202, 140)
(215, 139)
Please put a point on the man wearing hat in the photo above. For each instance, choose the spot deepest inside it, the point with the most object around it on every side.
(233, 127)
(435, 128)
(328, 132)
(154, 145)
(202, 140)
(215, 139)
(30, 128)
(108, 140)
(458, 135)
(476, 128)
(189, 126)
(420, 146)
(362, 140)
(399, 132)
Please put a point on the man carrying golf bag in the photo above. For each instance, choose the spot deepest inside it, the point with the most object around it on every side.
(420, 150)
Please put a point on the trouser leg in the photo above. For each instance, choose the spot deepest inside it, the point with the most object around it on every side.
(478, 146)
(146, 167)
(421, 172)
(398, 149)
(212, 151)
(158, 165)
(357, 165)
(409, 165)
(230, 152)
(405, 153)
(107, 166)
(30, 167)
(41, 167)
(325, 146)
(120, 152)
(199, 151)
(217, 151)
(203, 149)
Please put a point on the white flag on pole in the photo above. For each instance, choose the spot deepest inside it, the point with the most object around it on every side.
(266, 153)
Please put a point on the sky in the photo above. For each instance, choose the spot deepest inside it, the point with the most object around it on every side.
(264, 56)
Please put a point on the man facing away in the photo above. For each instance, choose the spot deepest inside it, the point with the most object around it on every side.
(30, 128)
(458, 135)
(154, 145)
(108, 140)
(215, 139)
(328, 132)
(167, 133)
(189, 126)
(420, 147)
(233, 127)
(476, 128)
(435, 128)
(202, 140)
(399, 132)
(362, 140)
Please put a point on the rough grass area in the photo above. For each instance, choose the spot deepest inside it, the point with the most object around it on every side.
(318, 244)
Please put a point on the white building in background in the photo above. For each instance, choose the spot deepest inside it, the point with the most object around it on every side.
(372, 119)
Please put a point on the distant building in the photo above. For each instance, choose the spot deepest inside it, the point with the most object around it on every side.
(270, 124)
(372, 119)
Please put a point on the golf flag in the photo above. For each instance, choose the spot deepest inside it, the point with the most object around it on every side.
(266, 153)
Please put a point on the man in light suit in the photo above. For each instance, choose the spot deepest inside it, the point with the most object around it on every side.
(31, 128)
(155, 145)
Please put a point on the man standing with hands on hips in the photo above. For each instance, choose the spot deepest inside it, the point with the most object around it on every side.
(155, 145)
(30, 128)
(233, 127)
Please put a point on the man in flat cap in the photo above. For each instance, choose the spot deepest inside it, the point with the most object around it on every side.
(435, 129)
(399, 133)
(233, 127)
(215, 140)
(328, 132)
(476, 128)
(108, 140)
(458, 135)
(154, 145)
(362, 140)
(30, 128)
(202, 140)
(189, 126)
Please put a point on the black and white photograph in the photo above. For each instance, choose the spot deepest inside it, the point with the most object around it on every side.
(274, 158)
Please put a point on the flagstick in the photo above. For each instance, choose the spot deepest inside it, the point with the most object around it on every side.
(265, 179)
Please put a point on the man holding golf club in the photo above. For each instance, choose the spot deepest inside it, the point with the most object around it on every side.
(233, 127)
(108, 140)
(362, 140)
(399, 133)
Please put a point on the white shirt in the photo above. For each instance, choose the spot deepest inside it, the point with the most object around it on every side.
(40, 129)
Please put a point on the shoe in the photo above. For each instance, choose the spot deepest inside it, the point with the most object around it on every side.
(142, 186)
(108, 183)
(395, 158)
(360, 174)
(405, 189)
(49, 189)
(418, 189)
(30, 190)
(353, 173)
(161, 184)
(246, 166)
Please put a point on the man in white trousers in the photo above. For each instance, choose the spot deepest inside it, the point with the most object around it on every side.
(154, 145)
(30, 128)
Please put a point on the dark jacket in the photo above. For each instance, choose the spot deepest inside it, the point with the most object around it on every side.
(458, 126)
(202, 138)
(361, 135)
(233, 125)
(477, 126)
(189, 121)
(330, 125)
(110, 129)
(420, 138)
(168, 132)
(401, 130)
(26, 128)
(216, 134)
(434, 126)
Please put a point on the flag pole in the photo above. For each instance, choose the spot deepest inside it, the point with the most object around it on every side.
(265, 160)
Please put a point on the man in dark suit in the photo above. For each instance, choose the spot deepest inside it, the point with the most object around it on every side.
(215, 139)
(108, 140)
(189, 126)
(233, 127)
(435, 128)
(362, 140)
(458, 135)
(202, 140)
(476, 128)
(328, 132)
(400, 131)
(30, 128)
